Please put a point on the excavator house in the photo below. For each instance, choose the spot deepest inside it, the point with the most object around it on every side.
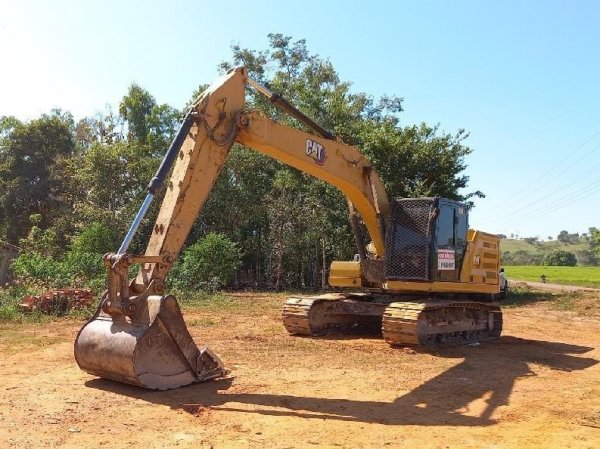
(424, 279)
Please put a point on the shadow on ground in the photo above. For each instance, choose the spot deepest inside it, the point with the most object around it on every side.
(486, 373)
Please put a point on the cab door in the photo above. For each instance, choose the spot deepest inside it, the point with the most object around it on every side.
(450, 240)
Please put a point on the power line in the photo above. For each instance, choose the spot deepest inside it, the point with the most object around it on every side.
(536, 212)
(562, 160)
(521, 198)
(548, 209)
(527, 208)
(581, 177)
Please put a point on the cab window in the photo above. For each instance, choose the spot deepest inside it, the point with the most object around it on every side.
(445, 228)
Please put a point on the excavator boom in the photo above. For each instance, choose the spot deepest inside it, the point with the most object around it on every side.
(138, 335)
(220, 121)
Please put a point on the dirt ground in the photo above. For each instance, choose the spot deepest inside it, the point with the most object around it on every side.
(557, 287)
(537, 386)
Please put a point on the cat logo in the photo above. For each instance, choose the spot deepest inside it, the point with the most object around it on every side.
(316, 151)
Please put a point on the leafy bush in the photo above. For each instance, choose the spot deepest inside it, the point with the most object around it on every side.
(84, 259)
(95, 239)
(531, 240)
(595, 241)
(208, 264)
(36, 269)
(560, 258)
(586, 258)
(521, 257)
(85, 270)
(41, 241)
(10, 297)
(81, 266)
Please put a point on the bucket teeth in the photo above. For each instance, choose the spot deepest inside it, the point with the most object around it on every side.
(151, 349)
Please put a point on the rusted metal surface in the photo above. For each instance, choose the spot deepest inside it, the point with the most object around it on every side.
(150, 347)
(141, 338)
(373, 270)
(58, 301)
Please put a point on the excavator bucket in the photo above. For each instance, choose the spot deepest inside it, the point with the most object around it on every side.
(151, 347)
(138, 335)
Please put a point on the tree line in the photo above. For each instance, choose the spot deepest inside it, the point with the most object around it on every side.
(548, 253)
(69, 189)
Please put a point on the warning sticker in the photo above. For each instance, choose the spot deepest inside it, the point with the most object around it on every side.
(446, 258)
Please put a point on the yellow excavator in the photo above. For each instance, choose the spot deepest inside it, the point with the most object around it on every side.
(424, 278)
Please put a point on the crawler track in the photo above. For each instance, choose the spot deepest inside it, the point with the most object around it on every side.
(320, 314)
(297, 315)
(440, 322)
(426, 323)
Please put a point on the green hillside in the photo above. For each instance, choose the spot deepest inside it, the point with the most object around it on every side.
(513, 245)
(529, 252)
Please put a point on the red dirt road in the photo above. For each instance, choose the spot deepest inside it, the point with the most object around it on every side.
(537, 386)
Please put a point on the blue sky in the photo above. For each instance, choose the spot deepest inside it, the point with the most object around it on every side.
(522, 77)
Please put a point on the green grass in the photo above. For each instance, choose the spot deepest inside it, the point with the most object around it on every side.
(252, 303)
(522, 295)
(581, 276)
(10, 297)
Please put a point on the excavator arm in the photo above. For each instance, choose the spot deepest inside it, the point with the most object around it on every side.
(332, 161)
(138, 335)
(220, 121)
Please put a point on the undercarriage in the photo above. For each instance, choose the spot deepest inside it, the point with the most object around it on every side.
(403, 320)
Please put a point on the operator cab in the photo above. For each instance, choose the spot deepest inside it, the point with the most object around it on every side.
(426, 239)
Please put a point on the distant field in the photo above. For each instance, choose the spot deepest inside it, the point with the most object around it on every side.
(584, 276)
(521, 245)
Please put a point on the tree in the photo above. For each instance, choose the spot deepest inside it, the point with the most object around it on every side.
(114, 179)
(96, 238)
(105, 128)
(595, 241)
(412, 161)
(7, 125)
(87, 177)
(148, 122)
(521, 257)
(31, 177)
(560, 258)
(586, 258)
(135, 108)
(565, 237)
(208, 264)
